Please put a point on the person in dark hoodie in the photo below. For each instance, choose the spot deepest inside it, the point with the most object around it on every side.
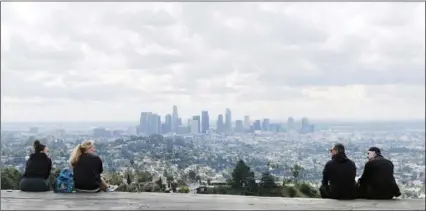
(338, 181)
(377, 180)
(37, 170)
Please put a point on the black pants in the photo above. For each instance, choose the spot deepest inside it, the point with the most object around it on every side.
(324, 192)
(34, 185)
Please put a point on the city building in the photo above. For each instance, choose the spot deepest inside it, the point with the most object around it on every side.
(195, 125)
(220, 124)
(205, 124)
(239, 127)
(246, 122)
(266, 125)
(168, 124)
(175, 123)
(257, 125)
(228, 121)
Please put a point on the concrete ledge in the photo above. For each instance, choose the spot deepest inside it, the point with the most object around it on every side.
(16, 200)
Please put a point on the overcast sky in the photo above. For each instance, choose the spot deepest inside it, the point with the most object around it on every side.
(110, 61)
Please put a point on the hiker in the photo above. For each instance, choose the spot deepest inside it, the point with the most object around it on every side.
(338, 181)
(377, 180)
(87, 168)
(37, 170)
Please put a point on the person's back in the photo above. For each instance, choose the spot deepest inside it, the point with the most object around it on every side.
(38, 165)
(339, 177)
(87, 172)
(37, 170)
(377, 180)
(87, 169)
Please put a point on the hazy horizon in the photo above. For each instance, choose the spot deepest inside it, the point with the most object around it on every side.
(336, 61)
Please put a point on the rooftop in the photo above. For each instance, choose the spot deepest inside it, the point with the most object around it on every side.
(160, 201)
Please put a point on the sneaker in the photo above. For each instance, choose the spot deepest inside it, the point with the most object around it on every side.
(112, 188)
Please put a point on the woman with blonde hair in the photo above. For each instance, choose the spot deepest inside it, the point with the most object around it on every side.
(87, 169)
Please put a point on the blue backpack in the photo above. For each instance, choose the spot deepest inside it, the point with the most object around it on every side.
(65, 182)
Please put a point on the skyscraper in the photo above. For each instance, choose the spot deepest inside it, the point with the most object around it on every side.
(168, 123)
(195, 124)
(239, 128)
(149, 123)
(198, 119)
(175, 119)
(144, 122)
(228, 121)
(219, 124)
(246, 122)
(265, 125)
(257, 125)
(205, 121)
(290, 123)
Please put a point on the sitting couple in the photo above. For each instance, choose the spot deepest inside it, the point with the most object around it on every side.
(87, 168)
(376, 182)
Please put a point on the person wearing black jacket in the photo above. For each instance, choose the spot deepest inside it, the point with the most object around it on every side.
(87, 168)
(338, 181)
(377, 180)
(37, 170)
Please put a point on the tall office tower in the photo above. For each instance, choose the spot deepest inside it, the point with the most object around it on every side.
(205, 125)
(219, 124)
(305, 125)
(168, 124)
(265, 124)
(154, 124)
(175, 119)
(257, 125)
(195, 125)
(144, 122)
(246, 122)
(228, 121)
(198, 118)
(290, 123)
(239, 128)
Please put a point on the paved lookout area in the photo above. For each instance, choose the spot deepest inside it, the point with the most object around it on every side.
(159, 201)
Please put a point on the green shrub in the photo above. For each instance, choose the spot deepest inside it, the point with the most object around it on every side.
(184, 189)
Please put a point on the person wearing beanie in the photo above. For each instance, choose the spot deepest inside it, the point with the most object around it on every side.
(338, 181)
(377, 180)
(37, 170)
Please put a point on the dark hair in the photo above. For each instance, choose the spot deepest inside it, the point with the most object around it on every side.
(339, 148)
(38, 146)
(376, 150)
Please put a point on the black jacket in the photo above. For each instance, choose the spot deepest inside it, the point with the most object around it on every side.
(38, 165)
(339, 177)
(377, 180)
(87, 172)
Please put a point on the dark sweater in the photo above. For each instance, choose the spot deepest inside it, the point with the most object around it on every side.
(339, 177)
(39, 165)
(87, 172)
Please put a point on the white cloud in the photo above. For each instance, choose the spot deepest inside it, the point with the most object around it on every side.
(321, 60)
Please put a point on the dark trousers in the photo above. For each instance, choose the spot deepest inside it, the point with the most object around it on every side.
(34, 185)
(324, 192)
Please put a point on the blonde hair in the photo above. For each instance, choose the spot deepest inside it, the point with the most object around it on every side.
(79, 150)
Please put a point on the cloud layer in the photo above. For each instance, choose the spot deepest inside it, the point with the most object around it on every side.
(69, 61)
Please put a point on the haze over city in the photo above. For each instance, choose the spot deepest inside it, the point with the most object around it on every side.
(358, 61)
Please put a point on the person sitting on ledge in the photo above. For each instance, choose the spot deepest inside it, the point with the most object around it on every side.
(37, 170)
(377, 180)
(87, 168)
(338, 180)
